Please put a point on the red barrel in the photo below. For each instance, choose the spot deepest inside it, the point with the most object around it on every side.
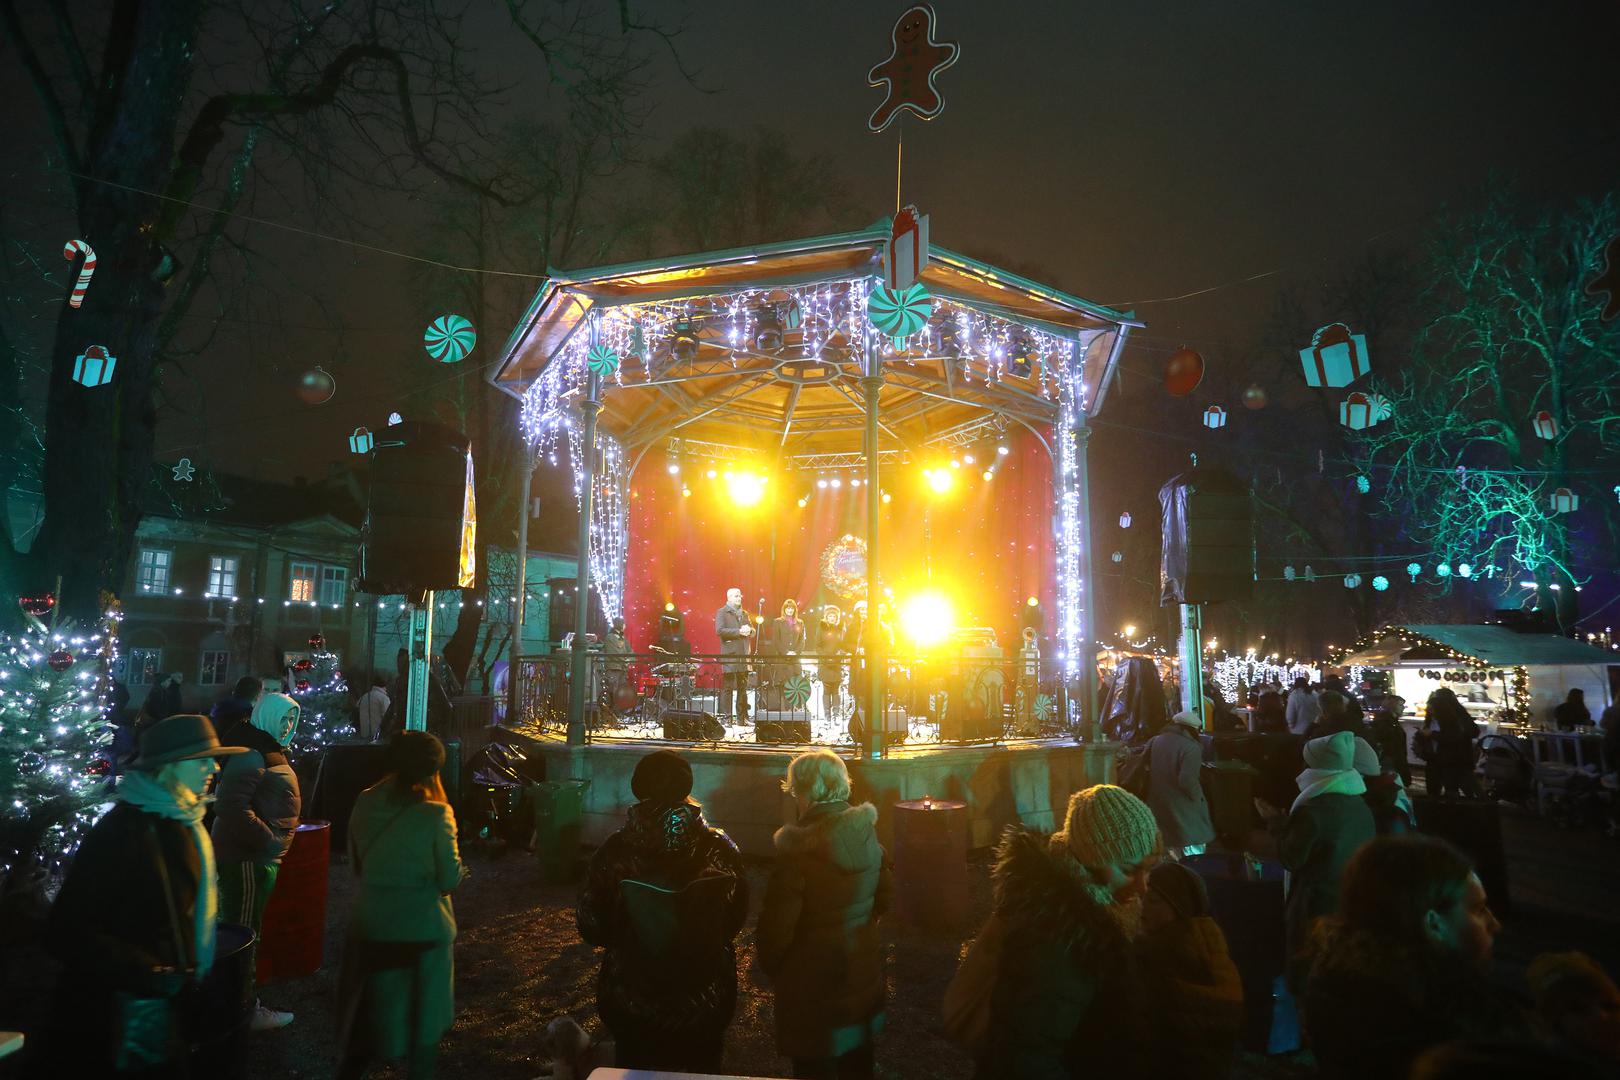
(930, 862)
(292, 940)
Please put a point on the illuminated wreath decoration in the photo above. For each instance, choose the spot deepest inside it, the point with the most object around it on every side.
(843, 567)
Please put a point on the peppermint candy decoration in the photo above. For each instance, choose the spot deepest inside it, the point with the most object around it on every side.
(1043, 707)
(602, 360)
(1380, 408)
(449, 339)
(899, 312)
(796, 691)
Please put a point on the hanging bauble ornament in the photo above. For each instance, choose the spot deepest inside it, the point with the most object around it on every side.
(602, 360)
(1363, 485)
(1443, 570)
(768, 332)
(1464, 570)
(1289, 573)
(1183, 372)
(1381, 583)
(98, 767)
(792, 314)
(303, 665)
(37, 605)
(1125, 520)
(316, 386)
(1352, 581)
(683, 342)
(1118, 556)
(1255, 397)
(449, 338)
(317, 642)
(1310, 575)
(1414, 570)
(59, 661)
(301, 686)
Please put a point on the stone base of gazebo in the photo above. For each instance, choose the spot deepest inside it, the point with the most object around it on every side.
(1026, 781)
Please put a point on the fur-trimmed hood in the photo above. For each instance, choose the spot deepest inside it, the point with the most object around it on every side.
(1041, 889)
(844, 835)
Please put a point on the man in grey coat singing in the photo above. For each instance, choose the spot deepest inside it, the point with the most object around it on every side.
(734, 628)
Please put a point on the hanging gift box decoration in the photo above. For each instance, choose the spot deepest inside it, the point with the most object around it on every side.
(899, 312)
(1352, 581)
(1355, 412)
(1214, 417)
(361, 441)
(1118, 556)
(1336, 357)
(905, 256)
(1125, 520)
(94, 366)
(1565, 501)
(1546, 427)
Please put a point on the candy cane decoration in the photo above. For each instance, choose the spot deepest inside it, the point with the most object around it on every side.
(69, 250)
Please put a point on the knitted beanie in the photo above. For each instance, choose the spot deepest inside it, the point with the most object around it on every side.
(1108, 826)
(662, 777)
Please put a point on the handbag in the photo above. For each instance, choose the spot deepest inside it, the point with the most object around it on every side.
(1136, 771)
(145, 1029)
(968, 997)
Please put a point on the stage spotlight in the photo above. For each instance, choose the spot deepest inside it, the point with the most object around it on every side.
(940, 480)
(768, 332)
(988, 475)
(1130, 629)
(745, 489)
(683, 345)
(686, 492)
(711, 474)
(674, 468)
(669, 605)
(1033, 602)
(968, 458)
(927, 619)
(855, 482)
(955, 464)
(821, 482)
(835, 482)
(885, 496)
(804, 501)
(1002, 450)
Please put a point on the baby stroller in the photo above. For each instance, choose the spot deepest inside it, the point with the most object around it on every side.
(1507, 768)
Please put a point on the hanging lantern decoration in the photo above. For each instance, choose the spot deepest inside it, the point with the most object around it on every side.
(1310, 575)
(361, 441)
(94, 367)
(1335, 358)
(1289, 573)
(317, 641)
(1255, 397)
(1381, 583)
(792, 314)
(1355, 412)
(1565, 501)
(1118, 556)
(1183, 372)
(59, 661)
(1125, 520)
(683, 342)
(37, 606)
(1546, 427)
(316, 386)
(1414, 569)
(1214, 417)
(1352, 581)
(449, 338)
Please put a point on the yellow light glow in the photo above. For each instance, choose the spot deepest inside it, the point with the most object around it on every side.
(710, 474)
(670, 606)
(885, 496)
(927, 619)
(745, 489)
(940, 480)
(1130, 629)
(1033, 602)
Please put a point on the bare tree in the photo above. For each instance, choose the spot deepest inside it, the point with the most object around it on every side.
(1508, 332)
(168, 107)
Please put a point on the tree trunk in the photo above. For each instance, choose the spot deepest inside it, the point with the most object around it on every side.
(98, 442)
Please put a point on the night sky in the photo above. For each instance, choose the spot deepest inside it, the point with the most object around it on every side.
(1132, 154)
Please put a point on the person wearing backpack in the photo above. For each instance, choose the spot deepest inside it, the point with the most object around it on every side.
(665, 897)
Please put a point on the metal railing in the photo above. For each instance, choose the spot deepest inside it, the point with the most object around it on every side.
(795, 700)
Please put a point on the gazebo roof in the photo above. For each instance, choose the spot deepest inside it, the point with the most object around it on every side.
(804, 399)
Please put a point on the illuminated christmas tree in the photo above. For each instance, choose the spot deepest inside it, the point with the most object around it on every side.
(54, 694)
(323, 695)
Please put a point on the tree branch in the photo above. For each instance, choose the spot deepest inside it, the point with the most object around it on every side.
(41, 81)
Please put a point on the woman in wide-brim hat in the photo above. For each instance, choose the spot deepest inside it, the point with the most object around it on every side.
(134, 924)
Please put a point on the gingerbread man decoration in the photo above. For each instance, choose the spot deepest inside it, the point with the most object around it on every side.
(911, 67)
(1609, 281)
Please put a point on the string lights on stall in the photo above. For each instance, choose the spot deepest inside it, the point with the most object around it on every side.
(1410, 639)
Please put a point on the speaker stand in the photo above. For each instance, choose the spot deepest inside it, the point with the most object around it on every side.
(1192, 662)
(421, 649)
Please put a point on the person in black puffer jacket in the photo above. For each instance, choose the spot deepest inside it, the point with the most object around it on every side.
(256, 810)
(665, 896)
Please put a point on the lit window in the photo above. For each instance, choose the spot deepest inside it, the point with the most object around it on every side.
(215, 662)
(334, 584)
(152, 570)
(221, 575)
(144, 665)
(303, 582)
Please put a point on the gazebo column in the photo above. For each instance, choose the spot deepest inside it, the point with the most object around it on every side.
(579, 659)
(877, 653)
(1085, 587)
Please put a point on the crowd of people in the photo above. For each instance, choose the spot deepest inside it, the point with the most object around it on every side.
(1101, 956)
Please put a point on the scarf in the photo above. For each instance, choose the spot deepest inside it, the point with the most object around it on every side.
(142, 791)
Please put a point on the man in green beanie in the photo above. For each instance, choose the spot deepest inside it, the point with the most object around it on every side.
(1068, 997)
